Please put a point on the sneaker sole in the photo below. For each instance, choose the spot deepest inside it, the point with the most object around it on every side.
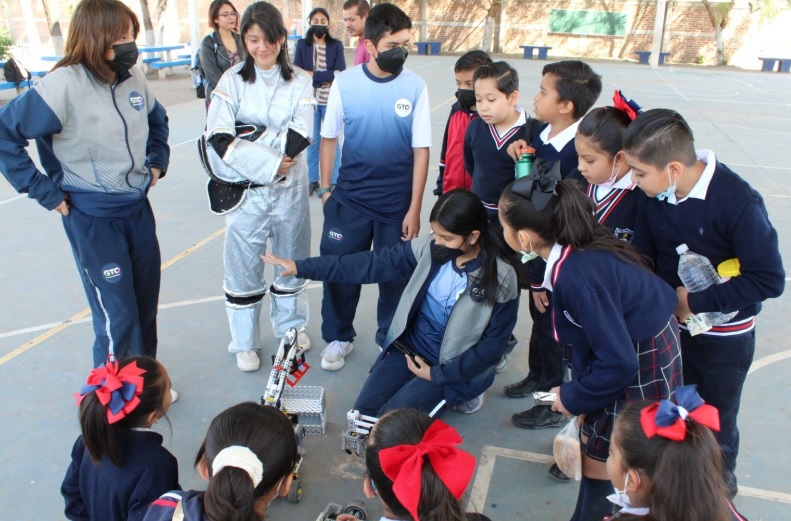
(336, 366)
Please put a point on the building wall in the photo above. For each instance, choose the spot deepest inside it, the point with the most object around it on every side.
(459, 25)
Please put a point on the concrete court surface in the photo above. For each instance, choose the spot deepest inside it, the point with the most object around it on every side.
(45, 333)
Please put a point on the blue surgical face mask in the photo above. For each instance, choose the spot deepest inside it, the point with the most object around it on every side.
(621, 498)
(670, 189)
(527, 256)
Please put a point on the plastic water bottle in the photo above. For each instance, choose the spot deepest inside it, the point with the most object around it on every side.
(525, 163)
(697, 273)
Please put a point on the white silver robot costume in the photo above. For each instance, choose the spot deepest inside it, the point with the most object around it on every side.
(276, 211)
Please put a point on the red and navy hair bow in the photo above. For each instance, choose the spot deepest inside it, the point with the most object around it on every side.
(629, 106)
(116, 389)
(668, 419)
(404, 464)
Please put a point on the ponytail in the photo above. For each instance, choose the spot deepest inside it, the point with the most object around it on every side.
(269, 435)
(100, 437)
(568, 219)
(686, 476)
(605, 127)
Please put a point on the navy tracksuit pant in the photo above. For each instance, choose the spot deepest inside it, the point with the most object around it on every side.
(119, 262)
(346, 231)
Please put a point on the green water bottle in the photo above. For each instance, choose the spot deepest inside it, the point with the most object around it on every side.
(525, 163)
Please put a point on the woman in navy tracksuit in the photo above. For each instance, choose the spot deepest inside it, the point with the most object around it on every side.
(102, 140)
(615, 313)
(321, 56)
(454, 317)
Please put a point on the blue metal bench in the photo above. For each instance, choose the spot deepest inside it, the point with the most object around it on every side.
(768, 64)
(643, 57)
(425, 47)
(5, 85)
(163, 66)
(528, 51)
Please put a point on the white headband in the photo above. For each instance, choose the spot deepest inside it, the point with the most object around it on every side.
(240, 458)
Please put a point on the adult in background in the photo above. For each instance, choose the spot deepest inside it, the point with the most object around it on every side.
(321, 56)
(102, 138)
(355, 13)
(223, 47)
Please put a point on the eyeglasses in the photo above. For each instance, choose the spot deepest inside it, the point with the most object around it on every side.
(229, 15)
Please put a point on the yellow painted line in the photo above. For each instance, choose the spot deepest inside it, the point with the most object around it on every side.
(87, 311)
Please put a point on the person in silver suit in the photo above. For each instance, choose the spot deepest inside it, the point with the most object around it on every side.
(259, 120)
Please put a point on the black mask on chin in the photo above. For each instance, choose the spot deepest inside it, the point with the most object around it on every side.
(319, 31)
(125, 57)
(443, 254)
(392, 60)
(466, 97)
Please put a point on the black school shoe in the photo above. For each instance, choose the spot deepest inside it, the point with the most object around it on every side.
(521, 388)
(557, 474)
(539, 417)
(312, 187)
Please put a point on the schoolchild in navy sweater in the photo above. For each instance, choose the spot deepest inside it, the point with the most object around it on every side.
(118, 465)
(568, 90)
(602, 165)
(691, 198)
(501, 122)
(452, 171)
(615, 313)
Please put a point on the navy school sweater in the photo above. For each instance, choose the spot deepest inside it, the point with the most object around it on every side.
(106, 492)
(731, 222)
(602, 306)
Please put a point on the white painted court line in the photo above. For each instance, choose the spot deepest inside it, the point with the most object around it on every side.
(483, 477)
(767, 360)
(180, 304)
(12, 199)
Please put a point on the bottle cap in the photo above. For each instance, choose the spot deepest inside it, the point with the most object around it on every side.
(729, 268)
(681, 249)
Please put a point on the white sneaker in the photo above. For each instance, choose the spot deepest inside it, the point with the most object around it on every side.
(174, 396)
(471, 406)
(332, 358)
(303, 340)
(247, 361)
(502, 364)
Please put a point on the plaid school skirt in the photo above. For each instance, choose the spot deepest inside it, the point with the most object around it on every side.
(658, 376)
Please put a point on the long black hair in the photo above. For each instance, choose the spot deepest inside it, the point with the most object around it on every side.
(568, 220)
(605, 127)
(269, 434)
(686, 475)
(407, 427)
(461, 212)
(104, 439)
(270, 21)
(328, 38)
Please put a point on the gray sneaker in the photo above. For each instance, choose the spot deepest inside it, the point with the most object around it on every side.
(247, 361)
(471, 406)
(332, 358)
(502, 364)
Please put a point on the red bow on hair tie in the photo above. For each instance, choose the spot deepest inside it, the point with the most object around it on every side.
(668, 419)
(117, 390)
(629, 106)
(404, 464)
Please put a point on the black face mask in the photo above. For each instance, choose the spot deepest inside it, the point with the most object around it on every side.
(466, 97)
(392, 61)
(319, 31)
(125, 57)
(443, 254)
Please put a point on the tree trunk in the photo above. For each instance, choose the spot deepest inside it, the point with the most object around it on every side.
(51, 12)
(719, 21)
(488, 34)
(148, 27)
(34, 42)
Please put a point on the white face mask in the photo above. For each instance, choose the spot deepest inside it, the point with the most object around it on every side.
(612, 180)
(670, 189)
(621, 498)
(527, 256)
(277, 492)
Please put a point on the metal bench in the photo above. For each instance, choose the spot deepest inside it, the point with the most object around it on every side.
(5, 85)
(528, 51)
(768, 64)
(163, 66)
(644, 56)
(425, 47)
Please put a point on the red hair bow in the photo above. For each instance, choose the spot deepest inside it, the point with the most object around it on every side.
(629, 106)
(117, 390)
(668, 419)
(404, 464)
